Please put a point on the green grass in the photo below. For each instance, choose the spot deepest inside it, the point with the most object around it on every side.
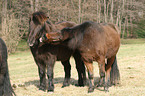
(133, 41)
(131, 62)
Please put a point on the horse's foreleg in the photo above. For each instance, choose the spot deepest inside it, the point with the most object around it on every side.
(41, 69)
(90, 75)
(81, 73)
(80, 69)
(67, 69)
(50, 67)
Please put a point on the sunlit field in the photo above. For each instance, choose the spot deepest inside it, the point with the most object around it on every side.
(131, 61)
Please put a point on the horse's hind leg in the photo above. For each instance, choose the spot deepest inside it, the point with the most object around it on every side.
(67, 69)
(101, 63)
(89, 67)
(41, 69)
(108, 70)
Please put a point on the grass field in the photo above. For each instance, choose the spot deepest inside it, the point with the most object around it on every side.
(131, 62)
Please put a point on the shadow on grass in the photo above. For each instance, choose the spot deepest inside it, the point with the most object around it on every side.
(60, 80)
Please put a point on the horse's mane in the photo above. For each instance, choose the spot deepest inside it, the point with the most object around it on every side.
(81, 28)
(39, 17)
(76, 33)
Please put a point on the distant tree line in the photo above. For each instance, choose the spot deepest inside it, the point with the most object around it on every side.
(127, 14)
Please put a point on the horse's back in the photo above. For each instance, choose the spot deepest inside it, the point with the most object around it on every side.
(63, 24)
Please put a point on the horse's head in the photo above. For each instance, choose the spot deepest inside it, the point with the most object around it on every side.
(52, 37)
(58, 36)
(38, 25)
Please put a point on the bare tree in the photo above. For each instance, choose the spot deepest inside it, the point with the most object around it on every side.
(36, 5)
(105, 18)
(4, 17)
(111, 12)
(32, 5)
(80, 11)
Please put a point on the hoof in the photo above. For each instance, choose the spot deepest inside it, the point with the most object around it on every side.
(65, 85)
(99, 85)
(79, 85)
(90, 90)
(42, 88)
(50, 89)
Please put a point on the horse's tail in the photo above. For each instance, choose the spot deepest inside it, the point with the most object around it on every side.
(114, 74)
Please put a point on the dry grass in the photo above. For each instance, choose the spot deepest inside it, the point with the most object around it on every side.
(131, 61)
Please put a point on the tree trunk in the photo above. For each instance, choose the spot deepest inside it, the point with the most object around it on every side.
(79, 11)
(105, 19)
(131, 25)
(108, 3)
(127, 21)
(32, 6)
(124, 27)
(4, 17)
(111, 13)
(36, 5)
(127, 27)
(99, 15)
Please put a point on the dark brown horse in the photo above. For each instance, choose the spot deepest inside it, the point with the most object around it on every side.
(46, 55)
(95, 43)
(5, 85)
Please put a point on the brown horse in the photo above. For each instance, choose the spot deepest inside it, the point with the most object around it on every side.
(95, 42)
(5, 84)
(45, 55)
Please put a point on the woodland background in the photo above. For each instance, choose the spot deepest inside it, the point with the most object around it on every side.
(129, 15)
